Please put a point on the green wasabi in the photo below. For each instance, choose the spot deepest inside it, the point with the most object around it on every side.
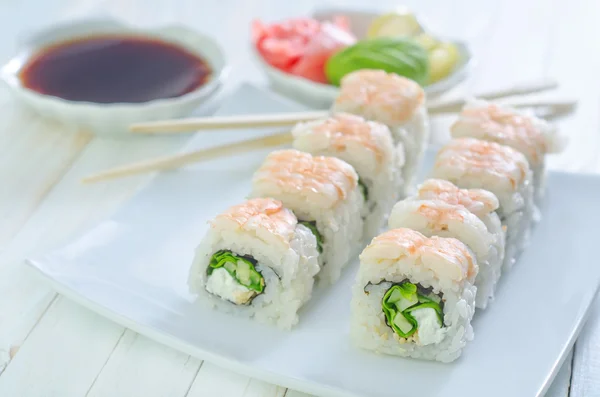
(241, 268)
(400, 55)
(401, 300)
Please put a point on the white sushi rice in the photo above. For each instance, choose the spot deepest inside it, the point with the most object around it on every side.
(516, 212)
(289, 274)
(378, 166)
(340, 226)
(414, 136)
(438, 218)
(368, 328)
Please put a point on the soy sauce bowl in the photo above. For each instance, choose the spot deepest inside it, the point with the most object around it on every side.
(114, 119)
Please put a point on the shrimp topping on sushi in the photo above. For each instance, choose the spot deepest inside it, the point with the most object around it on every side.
(489, 121)
(478, 201)
(343, 129)
(324, 180)
(529, 135)
(390, 98)
(501, 162)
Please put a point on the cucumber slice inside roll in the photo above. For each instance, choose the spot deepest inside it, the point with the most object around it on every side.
(404, 303)
(395, 296)
(364, 189)
(402, 323)
(400, 300)
(241, 268)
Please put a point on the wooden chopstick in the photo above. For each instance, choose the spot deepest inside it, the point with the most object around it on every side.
(288, 119)
(455, 105)
(553, 106)
(212, 123)
(183, 159)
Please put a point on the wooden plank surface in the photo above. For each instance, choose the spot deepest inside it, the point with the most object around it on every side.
(51, 347)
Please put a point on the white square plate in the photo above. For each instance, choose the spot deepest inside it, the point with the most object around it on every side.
(132, 269)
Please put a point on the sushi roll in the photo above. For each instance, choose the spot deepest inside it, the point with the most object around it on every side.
(368, 147)
(475, 164)
(438, 218)
(394, 101)
(414, 296)
(324, 194)
(529, 135)
(257, 261)
(481, 203)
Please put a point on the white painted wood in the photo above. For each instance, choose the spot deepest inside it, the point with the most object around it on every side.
(294, 393)
(70, 351)
(213, 381)
(70, 207)
(34, 157)
(586, 365)
(38, 370)
(141, 367)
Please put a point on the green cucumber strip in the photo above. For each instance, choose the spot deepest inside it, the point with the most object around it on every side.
(408, 290)
(312, 226)
(428, 305)
(404, 303)
(402, 323)
(395, 296)
(409, 317)
(392, 313)
(424, 299)
(435, 298)
(240, 268)
(364, 189)
(400, 300)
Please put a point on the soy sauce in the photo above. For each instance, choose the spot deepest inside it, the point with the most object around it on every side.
(115, 69)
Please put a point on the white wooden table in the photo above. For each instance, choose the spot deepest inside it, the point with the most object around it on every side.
(50, 346)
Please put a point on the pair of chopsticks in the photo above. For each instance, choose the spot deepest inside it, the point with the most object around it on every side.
(289, 119)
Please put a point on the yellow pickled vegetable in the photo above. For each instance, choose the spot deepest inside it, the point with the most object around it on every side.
(394, 24)
(442, 61)
(428, 42)
(443, 56)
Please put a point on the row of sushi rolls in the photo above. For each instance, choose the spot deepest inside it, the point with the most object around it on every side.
(447, 240)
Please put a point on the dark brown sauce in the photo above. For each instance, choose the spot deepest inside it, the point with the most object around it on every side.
(112, 69)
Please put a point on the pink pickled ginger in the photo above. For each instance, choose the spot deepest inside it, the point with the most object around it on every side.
(301, 46)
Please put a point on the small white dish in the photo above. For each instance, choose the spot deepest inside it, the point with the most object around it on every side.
(114, 118)
(322, 95)
(132, 269)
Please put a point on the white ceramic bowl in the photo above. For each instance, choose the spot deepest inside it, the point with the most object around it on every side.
(322, 95)
(113, 119)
